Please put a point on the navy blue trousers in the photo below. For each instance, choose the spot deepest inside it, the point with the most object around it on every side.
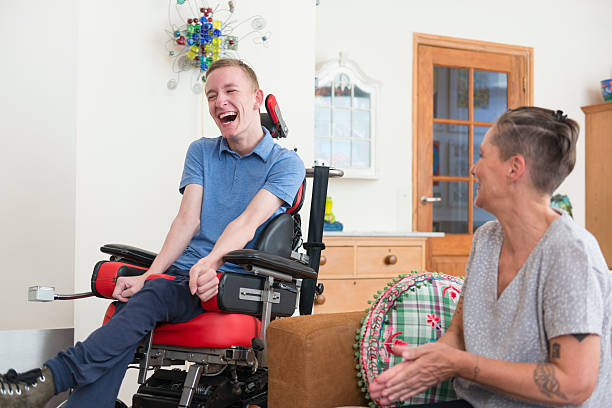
(95, 367)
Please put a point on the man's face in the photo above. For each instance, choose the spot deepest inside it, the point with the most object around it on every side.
(233, 102)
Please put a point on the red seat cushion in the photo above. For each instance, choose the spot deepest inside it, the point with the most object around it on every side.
(210, 329)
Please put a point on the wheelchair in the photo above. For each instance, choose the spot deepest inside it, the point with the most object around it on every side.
(225, 347)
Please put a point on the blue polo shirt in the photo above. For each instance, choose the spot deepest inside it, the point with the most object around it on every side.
(230, 182)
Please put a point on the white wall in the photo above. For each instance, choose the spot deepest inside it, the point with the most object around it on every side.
(133, 132)
(571, 58)
(37, 159)
(84, 98)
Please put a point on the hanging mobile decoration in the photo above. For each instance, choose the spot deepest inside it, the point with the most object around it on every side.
(206, 35)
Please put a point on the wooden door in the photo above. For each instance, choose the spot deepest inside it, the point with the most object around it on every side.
(461, 88)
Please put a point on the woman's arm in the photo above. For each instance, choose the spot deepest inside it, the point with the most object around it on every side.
(454, 334)
(569, 377)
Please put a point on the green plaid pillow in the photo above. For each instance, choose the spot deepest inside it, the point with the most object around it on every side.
(416, 309)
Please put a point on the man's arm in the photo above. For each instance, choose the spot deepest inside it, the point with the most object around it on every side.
(569, 377)
(185, 225)
(203, 275)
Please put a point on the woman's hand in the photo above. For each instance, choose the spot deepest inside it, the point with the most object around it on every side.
(423, 367)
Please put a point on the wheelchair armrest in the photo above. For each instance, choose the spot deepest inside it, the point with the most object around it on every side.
(251, 257)
(243, 293)
(105, 274)
(136, 256)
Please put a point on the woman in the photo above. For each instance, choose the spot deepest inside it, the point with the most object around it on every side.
(533, 323)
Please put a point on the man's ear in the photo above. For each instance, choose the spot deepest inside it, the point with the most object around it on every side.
(259, 99)
(517, 167)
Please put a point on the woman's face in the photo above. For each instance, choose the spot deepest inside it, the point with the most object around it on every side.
(490, 173)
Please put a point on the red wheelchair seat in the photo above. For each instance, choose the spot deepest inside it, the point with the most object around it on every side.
(208, 330)
(211, 329)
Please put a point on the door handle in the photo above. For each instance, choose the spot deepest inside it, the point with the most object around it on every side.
(425, 199)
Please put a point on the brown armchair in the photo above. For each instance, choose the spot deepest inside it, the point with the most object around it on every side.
(310, 361)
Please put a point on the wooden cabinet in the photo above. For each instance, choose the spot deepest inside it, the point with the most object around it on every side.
(353, 268)
(598, 169)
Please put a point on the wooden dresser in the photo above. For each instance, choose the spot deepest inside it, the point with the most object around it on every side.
(598, 169)
(354, 267)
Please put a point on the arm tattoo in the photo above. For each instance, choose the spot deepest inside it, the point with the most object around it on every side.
(580, 336)
(544, 377)
(555, 351)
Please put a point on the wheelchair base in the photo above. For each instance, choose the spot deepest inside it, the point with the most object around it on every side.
(163, 390)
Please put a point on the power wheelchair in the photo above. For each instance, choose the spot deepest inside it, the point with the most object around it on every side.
(226, 346)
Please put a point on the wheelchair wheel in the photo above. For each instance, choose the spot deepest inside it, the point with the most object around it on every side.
(120, 404)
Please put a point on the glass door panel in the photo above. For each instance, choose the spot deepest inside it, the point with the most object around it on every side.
(450, 214)
(450, 146)
(490, 95)
(450, 97)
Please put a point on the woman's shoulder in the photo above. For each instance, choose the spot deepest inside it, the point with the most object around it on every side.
(569, 241)
(565, 232)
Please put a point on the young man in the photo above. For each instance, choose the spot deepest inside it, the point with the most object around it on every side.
(231, 185)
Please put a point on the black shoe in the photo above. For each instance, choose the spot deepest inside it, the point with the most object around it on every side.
(31, 389)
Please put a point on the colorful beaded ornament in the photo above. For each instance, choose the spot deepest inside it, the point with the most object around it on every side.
(412, 310)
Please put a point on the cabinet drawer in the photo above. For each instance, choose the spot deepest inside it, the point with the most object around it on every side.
(337, 261)
(388, 260)
(348, 295)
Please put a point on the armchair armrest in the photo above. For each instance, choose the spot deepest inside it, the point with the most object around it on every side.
(305, 352)
(250, 257)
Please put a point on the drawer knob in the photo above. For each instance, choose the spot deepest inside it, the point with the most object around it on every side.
(323, 260)
(390, 259)
(319, 299)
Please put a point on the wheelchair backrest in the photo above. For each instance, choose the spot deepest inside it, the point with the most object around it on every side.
(284, 232)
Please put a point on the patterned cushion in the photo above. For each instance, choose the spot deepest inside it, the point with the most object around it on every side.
(414, 309)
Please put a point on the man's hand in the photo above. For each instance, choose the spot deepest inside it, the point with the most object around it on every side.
(126, 286)
(203, 280)
(423, 367)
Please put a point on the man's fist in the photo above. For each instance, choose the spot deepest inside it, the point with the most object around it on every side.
(203, 280)
(126, 286)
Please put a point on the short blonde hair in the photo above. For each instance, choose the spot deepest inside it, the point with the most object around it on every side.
(232, 62)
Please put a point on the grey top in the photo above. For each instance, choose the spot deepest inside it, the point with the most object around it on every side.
(563, 288)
